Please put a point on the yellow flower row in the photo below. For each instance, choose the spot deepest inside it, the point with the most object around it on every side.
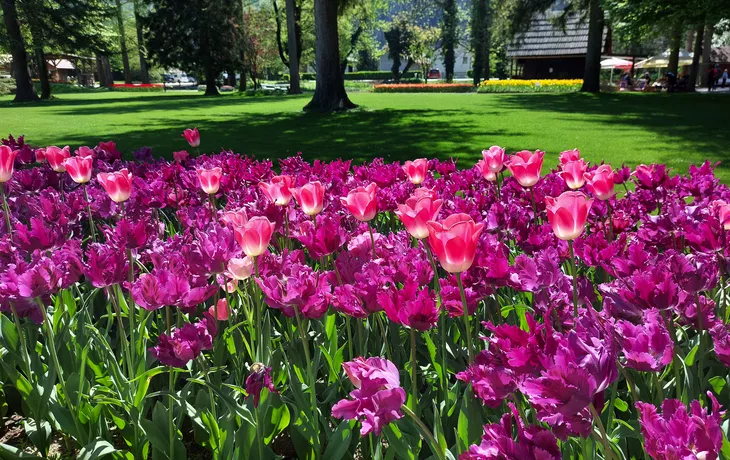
(498, 83)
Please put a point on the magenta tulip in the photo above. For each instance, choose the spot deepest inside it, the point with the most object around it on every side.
(573, 173)
(56, 156)
(79, 168)
(569, 155)
(600, 182)
(454, 241)
(117, 184)
(210, 179)
(494, 158)
(192, 136)
(361, 202)
(416, 170)
(526, 166)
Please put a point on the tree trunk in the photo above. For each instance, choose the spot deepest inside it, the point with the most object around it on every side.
(480, 40)
(695, 68)
(291, 28)
(231, 78)
(24, 91)
(279, 42)
(329, 94)
(40, 57)
(144, 72)
(674, 44)
(449, 37)
(211, 88)
(707, 52)
(123, 44)
(592, 73)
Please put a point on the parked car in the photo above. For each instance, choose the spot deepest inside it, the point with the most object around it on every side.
(434, 74)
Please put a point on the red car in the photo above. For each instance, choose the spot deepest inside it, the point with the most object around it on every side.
(434, 74)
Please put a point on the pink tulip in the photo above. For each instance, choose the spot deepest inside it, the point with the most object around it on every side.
(192, 136)
(361, 202)
(423, 191)
(454, 241)
(416, 212)
(569, 155)
(526, 166)
(722, 211)
(40, 155)
(237, 218)
(180, 156)
(278, 190)
(85, 152)
(416, 170)
(79, 168)
(7, 161)
(240, 268)
(494, 158)
(488, 174)
(600, 182)
(567, 214)
(255, 235)
(117, 184)
(56, 156)
(310, 197)
(210, 179)
(108, 146)
(222, 314)
(573, 173)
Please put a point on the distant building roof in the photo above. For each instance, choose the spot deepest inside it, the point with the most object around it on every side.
(545, 39)
(61, 64)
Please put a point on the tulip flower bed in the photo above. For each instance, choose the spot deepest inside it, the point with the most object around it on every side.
(152, 309)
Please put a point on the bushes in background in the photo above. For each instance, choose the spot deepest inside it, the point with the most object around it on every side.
(369, 75)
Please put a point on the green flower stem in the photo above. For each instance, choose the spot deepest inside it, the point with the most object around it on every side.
(21, 336)
(7, 210)
(91, 217)
(658, 385)
(257, 313)
(607, 452)
(498, 185)
(610, 221)
(442, 319)
(50, 335)
(534, 206)
(467, 323)
(171, 388)
(259, 434)
(574, 273)
(435, 448)
(372, 240)
(312, 378)
(122, 332)
(131, 311)
(611, 403)
(414, 373)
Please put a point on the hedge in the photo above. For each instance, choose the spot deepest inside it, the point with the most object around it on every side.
(369, 75)
(434, 88)
(7, 86)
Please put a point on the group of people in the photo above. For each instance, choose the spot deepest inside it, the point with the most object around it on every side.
(716, 78)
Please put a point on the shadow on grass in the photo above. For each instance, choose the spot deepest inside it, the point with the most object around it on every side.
(697, 123)
(360, 134)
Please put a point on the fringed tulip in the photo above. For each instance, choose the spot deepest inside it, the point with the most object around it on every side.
(378, 399)
(257, 380)
(79, 168)
(192, 136)
(525, 166)
(254, 235)
(600, 182)
(416, 170)
(362, 203)
(310, 197)
(56, 156)
(180, 156)
(7, 161)
(210, 179)
(416, 212)
(573, 173)
(278, 190)
(118, 184)
(567, 214)
(494, 159)
(454, 241)
(184, 344)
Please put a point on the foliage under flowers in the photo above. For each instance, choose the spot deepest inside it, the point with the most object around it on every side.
(544, 314)
(529, 86)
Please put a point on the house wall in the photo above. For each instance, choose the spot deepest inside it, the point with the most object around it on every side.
(549, 68)
(462, 64)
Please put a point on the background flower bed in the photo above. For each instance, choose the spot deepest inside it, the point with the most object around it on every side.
(529, 86)
(138, 87)
(424, 88)
(212, 308)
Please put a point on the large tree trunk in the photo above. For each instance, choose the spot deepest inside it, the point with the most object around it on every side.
(449, 37)
(291, 27)
(123, 44)
(695, 68)
(211, 88)
(480, 40)
(592, 73)
(40, 57)
(24, 91)
(231, 78)
(675, 44)
(144, 72)
(707, 52)
(329, 94)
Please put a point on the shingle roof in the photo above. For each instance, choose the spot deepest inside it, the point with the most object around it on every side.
(544, 38)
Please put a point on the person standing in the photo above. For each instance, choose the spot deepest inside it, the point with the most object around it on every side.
(711, 77)
(723, 78)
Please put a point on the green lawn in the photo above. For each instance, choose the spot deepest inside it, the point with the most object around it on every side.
(678, 129)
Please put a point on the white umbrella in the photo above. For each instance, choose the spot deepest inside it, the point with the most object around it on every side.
(615, 63)
(662, 60)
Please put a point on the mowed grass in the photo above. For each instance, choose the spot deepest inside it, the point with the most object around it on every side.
(677, 129)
